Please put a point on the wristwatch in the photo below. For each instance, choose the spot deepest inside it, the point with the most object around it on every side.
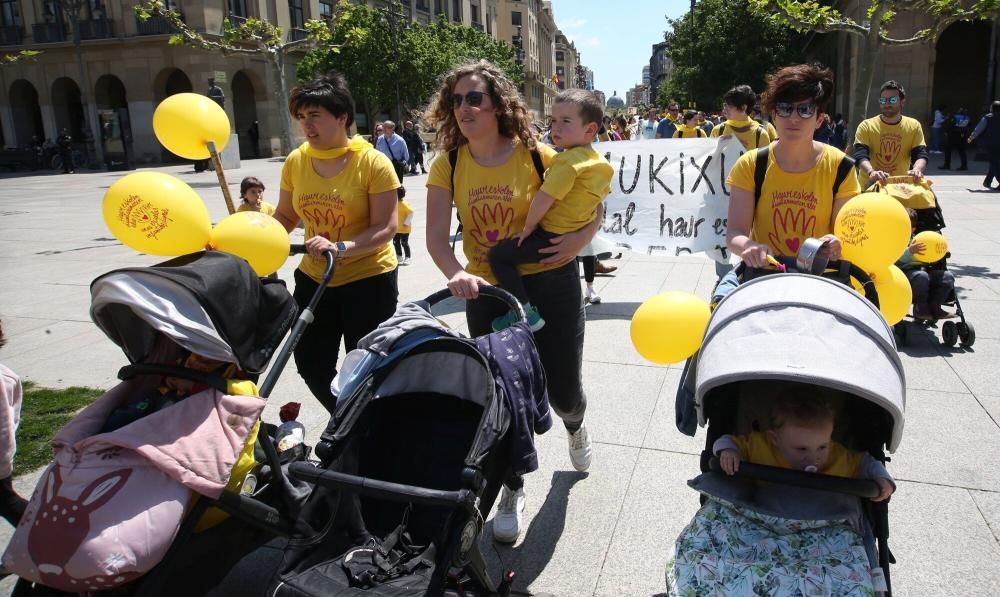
(341, 249)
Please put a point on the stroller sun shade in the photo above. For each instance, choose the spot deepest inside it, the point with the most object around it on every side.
(210, 303)
(807, 329)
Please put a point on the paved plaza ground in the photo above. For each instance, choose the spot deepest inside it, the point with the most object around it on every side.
(607, 532)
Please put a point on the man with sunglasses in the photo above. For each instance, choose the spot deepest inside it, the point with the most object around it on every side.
(886, 145)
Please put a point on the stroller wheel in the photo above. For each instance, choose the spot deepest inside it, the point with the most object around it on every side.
(901, 332)
(949, 333)
(966, 333)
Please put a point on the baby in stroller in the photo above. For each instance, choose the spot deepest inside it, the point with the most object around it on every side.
(800, 436)
(932, 284)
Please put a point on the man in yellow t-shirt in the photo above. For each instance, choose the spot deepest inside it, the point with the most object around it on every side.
(886, 145)
(739, 101)
(576, 182)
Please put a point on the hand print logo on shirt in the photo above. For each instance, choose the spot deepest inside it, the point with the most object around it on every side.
(789, 226)
(491, 223)
(330, 224)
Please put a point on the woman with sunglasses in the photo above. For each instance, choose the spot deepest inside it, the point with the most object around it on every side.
(345, 192)
(479, 113)
(805, 182)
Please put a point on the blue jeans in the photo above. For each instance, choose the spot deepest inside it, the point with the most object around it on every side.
(727, 284)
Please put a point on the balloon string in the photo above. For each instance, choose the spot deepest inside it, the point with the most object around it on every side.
(222, 177)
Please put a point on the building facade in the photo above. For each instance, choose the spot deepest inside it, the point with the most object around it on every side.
(637, 96)
(568, 67)
(531, 24)
(660, 66)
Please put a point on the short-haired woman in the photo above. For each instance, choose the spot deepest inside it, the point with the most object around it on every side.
(345, 192)
(479, 112)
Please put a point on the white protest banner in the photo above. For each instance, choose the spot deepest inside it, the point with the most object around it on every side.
(669, 196)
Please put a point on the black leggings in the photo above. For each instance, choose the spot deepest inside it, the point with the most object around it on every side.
(589, 267)
(350, 312)
(402, 243)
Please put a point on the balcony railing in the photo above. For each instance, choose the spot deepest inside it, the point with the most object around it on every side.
(236, 20)
(297, 34)
(11, 36)
(46, 33)
(96, 29)
(153, 26)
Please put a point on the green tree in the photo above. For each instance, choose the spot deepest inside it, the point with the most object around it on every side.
(422, 54)
(725, 45)
(9, 59)
(253, 37)
(879, 16)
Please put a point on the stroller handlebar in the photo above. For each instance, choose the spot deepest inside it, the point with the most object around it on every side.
(376, 488)
(491, 291)
(862, 488)
(844, 270)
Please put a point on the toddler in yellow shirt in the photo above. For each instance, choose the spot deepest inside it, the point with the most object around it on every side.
(252, 193)
(801, 437)
(576, 182)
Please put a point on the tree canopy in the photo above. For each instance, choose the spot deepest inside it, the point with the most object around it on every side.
(731, 46)
(367, 58)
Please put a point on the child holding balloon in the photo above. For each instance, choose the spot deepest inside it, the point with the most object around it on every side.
(252, 193)
(931, 285)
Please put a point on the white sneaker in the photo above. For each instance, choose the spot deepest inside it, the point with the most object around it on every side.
(592, 297)
(507, 522)
(580, 449)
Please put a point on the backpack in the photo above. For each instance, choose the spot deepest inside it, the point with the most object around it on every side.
(760, 170)
(757, 132)
(536, 159)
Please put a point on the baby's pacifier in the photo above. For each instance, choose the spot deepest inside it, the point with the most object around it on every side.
(810, 469)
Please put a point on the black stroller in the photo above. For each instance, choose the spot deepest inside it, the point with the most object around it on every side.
(412, 461)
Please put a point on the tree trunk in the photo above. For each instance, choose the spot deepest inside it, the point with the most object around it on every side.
(281, 97)
(866, 71)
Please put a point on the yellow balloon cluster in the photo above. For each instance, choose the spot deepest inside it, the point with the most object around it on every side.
(256, 237)
(157, 214)
(873, 229)
(668, 327)
(935, 246)
(185, 122)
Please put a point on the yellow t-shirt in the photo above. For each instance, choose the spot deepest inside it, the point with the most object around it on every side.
(492, 202)
(685, 132)
(337, 208)
(745, 131)
(756, 449)
(404, 217)
(771, 131)
(793, 206)
(889, 145)
(265, 208)
(579, 179)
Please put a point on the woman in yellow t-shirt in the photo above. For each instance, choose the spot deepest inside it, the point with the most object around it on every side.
(479, 112)
(797, 199)
(345, 193)
(688, 128)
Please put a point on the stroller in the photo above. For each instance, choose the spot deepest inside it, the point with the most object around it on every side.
(930, 217)
(420, 441)
(180, 478)
(796, 533)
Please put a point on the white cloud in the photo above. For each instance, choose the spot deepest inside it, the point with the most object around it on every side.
(572, 24)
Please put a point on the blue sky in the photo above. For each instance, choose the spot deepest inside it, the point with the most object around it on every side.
(615, 39)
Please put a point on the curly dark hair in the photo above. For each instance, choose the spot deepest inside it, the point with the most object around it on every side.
(797, 83)
(512, 113)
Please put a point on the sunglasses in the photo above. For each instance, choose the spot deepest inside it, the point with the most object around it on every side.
(889, 100)
(804, 110)
(474, 98)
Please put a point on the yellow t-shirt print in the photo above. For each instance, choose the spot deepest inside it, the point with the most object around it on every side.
(492, 216)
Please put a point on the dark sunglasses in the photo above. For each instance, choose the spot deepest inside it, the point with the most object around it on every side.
(889, 100)
(474, 98)
(804, 110)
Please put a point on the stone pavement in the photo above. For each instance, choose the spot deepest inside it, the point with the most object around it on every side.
(607, 532)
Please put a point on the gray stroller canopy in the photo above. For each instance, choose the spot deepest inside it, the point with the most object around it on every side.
(210, 303)
(806, 329)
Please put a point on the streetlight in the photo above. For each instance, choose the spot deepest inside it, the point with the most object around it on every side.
(519, 55)
(391, 16)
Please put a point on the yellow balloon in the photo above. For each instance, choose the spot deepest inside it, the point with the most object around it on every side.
(157, 214)
(185, 122)
(873, 229)
(894, 293)
(256, 237)
(668, 327)
(935, 246)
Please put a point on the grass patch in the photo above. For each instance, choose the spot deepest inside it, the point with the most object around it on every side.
(43, 413)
